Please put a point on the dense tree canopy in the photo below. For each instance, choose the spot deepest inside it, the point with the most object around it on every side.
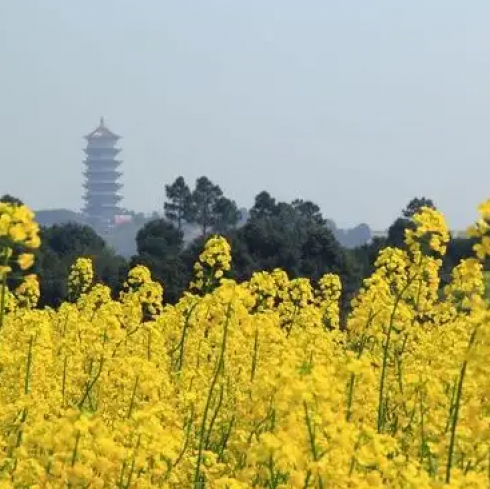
(293, 236)
(61, 245)
(160, 245)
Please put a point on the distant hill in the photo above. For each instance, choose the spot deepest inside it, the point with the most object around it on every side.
(123, 237)
(50, 217)
(353, 237)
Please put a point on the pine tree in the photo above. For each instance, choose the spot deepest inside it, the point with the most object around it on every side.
(178, 208)
(204, 198)
(226, 215)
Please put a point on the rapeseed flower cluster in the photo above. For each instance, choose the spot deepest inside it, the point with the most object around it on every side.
(328, 299)
(18, 230)
(80, 278)
(28, 292)
(251, 384)
(140, 293)
(213, 263)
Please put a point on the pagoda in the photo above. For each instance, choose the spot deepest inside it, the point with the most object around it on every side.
(101, 178)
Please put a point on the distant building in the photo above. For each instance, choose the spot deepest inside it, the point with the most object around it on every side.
(101, 178)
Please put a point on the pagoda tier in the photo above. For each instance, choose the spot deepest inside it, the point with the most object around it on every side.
(101, 197)
(96, 188)
(101, 178)
(100, 159)
(99, 206)
(101, 175)
(95, 163)
(103, 149)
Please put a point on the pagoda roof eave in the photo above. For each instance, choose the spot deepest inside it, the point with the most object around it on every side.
(102, 132)
(107, 135)
(92, 136)
(95, 161)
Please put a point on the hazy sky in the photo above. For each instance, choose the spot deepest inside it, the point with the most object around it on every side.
(356, 105)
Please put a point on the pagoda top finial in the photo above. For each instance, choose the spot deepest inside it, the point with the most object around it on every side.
(102, 132)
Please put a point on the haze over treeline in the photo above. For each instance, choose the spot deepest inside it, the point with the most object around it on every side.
(273, 234)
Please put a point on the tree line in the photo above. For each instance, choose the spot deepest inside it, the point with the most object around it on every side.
(293, 236)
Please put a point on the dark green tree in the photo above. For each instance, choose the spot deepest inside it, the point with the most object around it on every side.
(204, 197)
(458, 249)
(179, 207)
(159, 238)
(365, 255)
(309, 211)
(9, 199)
(264, 206)
(396, 232)
(60, 246)
(160, 244)
(226, 215)
(415, 205)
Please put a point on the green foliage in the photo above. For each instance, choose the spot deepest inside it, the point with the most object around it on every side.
(9, 199)
(179, 207)
(159, 238)
(160, 244)
(264, 206)
(415, 205)
(458, 249)
(226, 215)
(308, 211)
(60, 246)
(294, 237)
(396, 232)
(205, 197)
(365, 255)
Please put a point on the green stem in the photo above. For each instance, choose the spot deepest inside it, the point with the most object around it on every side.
(182, 340)
(4, 290)
(28, 366)
(75, 449)
(187, 437)
(133, 462)
(386, 348)
(219, 367)
(312, 439)
(63, 384)
(133, 397)
(255, 354)
(352, 381)
(459, 393)
(213, 418)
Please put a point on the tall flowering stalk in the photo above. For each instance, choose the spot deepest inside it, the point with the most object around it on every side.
(213, 263)
(80, 278)
(18, 230)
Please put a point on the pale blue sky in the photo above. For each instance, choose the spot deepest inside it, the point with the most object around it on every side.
(356, 105)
